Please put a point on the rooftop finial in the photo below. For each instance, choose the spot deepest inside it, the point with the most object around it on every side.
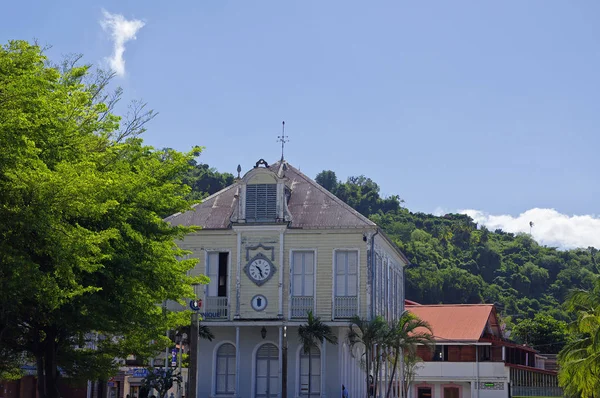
(282, 138)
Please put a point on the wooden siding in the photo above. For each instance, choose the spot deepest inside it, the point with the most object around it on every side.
(249, 289)
(325, 242)
(200, 243)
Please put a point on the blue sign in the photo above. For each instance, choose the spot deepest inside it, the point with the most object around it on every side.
(141, 372)
(174, 357)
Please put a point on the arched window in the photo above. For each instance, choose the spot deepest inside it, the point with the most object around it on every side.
(315, 373)
(225, 380)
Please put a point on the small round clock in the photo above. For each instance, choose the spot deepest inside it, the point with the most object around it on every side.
(259, 269)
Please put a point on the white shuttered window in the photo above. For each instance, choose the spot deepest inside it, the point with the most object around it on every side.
(225, 370)
(346, 273)
(261, 202)
(212, 271)
(303, 271)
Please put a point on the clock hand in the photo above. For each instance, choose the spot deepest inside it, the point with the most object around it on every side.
(259, 271)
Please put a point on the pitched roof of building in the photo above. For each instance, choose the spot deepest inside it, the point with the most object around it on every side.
(449, 322)
(310, 205)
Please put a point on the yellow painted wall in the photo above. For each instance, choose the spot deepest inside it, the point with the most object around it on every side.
(324, 241)
(248, 288)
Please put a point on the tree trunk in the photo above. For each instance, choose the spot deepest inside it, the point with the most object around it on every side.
(398, 351)
(309, 372)
(377, 363)
(41, 385)
(368, 354)
(51, 376)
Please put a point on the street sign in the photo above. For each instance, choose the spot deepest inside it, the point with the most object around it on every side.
(140, 372)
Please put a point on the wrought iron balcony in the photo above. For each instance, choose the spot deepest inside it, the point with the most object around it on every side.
(215, 308)
(300, 305)
(345, 307)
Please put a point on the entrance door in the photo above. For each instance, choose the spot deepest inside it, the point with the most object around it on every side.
(424, 392)
(267, 371)
(451, 392)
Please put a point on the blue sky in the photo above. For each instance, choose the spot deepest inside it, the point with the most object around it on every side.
(453, 105)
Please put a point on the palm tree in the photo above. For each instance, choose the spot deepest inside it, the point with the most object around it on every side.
(404, 336)
(579, 360)
(205, 333)
(310, 334)
(368, 334)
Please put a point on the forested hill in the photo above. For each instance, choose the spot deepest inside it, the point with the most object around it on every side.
(456, 261)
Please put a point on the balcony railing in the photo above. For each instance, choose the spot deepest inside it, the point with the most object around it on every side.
(345, 306)
(300, 305)
(215, 308)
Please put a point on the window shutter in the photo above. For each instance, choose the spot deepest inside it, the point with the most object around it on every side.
(340, 273)
(212, 271)
(261, 202)
(352, 289)
(309, 271)
(297, 275)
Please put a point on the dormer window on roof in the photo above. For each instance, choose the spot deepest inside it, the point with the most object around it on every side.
(261, 202)
(262, 196)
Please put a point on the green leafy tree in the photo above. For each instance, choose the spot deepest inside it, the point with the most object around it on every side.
(408, 332)
(579, 360)
(543, 332)
(369, 334)
(310, 335)
(328, 180)
(205, 180)
(84, 251)
(410, 365)
(161, 380)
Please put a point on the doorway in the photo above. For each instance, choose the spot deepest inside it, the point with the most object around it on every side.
(267, 371)
(451, 392)
(424, 392)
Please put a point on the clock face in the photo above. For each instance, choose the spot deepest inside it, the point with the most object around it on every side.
(259, 269)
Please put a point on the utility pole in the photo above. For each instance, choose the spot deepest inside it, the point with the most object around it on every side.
(284, 365)
(167, 334)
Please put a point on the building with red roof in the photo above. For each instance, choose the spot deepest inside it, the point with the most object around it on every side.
(474, 358)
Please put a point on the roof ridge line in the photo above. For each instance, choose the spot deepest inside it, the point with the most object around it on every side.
(217, 193)
(332, 196)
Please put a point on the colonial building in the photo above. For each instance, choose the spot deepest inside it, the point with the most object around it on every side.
(473, 358)
(276, 245)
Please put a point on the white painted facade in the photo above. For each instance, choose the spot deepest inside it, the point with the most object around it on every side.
(493, 378)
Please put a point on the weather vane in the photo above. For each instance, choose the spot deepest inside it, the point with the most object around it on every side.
(282, 138)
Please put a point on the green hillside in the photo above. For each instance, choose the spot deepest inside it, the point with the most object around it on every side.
(453, 260)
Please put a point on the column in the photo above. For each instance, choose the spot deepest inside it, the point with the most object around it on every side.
(281, 272)
(194, 347)
(237, 361)
(384, 367)
(280, 361)
(324, 368)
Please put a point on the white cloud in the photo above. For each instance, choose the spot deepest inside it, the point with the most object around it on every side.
(550, 227)
(121, 31)
(439, 211)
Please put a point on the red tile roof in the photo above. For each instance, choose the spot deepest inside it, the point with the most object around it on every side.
(463, 322)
